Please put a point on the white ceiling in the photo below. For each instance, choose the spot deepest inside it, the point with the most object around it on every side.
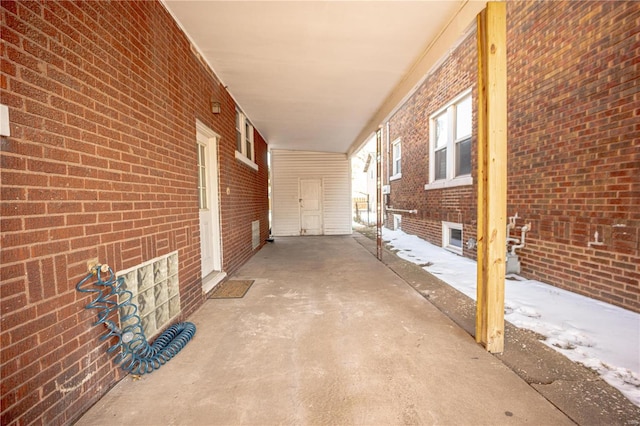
(320, 75)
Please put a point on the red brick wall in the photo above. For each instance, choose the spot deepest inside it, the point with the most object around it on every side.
(574, 144)
(101, 163)
(411, 123)
(247, 200)
(574, 138)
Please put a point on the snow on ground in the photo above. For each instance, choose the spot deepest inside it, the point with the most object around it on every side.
(601, 336)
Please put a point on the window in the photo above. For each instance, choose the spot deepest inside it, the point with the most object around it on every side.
(452, 237)
(155, 290)
(463, 137)
(396, 160)
(440, 151)
(202, 177)
(238, 131)
(244, 140)
(397, 222)
(248, 139)
(450, 144)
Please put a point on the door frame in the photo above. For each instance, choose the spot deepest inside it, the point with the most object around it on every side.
(213, 194)
(320, 203)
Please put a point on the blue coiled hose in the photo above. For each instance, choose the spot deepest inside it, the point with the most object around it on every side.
(137, 356)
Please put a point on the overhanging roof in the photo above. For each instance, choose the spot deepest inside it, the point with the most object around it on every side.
(321, 75)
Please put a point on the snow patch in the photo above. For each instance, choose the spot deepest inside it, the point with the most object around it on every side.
(601, 336)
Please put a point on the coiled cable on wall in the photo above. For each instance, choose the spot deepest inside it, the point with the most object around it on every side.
(137, 356)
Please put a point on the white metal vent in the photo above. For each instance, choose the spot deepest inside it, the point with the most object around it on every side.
(255, 234)
(155, 288)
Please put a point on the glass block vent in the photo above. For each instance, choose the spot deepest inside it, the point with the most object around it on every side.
(155, 290)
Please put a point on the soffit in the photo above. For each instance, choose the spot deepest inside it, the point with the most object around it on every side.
(317, 75)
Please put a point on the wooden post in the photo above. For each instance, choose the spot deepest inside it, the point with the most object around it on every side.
(379, 193)
(492, 175)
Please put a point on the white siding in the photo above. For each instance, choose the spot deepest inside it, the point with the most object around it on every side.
(287, 168)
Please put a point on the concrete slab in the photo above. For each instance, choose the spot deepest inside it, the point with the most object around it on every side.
(326, 335)
(575, 389)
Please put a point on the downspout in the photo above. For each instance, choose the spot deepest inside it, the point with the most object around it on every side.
(379, 193)
(388, 147)
(388, 173)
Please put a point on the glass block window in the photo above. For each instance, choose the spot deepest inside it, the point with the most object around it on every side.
(155, 288)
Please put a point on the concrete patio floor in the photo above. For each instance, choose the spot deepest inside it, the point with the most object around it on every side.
(327, 334)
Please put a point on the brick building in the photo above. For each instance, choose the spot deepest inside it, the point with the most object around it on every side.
(573, 147)
(116, 121)
(105, 99)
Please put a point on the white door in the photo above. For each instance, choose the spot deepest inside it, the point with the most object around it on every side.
(210, 240)
(310, 206)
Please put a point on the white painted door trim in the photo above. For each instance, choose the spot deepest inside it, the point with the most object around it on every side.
(210, 229)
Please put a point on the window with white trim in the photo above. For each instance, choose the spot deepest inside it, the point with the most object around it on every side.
(396, 159)
(452, 237)
(244, 138)
(450, 143)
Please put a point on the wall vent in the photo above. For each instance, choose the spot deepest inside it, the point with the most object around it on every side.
(255, 234)
(156, 292)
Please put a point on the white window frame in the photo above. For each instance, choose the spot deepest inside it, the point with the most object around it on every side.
(446, 237)
(450, 180)
(245, 130)
(396, 159)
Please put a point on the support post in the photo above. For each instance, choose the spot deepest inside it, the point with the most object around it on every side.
(379, 192)
(492, 175)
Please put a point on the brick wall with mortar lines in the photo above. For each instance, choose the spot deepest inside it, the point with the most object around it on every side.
(246, 201)
(456, 73)
(101, 163)
(574, 133)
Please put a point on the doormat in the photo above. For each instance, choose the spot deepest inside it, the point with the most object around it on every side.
(231, 289)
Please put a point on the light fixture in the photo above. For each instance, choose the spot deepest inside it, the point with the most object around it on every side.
(215, 106)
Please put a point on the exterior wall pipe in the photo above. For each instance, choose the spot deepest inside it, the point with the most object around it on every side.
(414, 211)
(526, 228)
